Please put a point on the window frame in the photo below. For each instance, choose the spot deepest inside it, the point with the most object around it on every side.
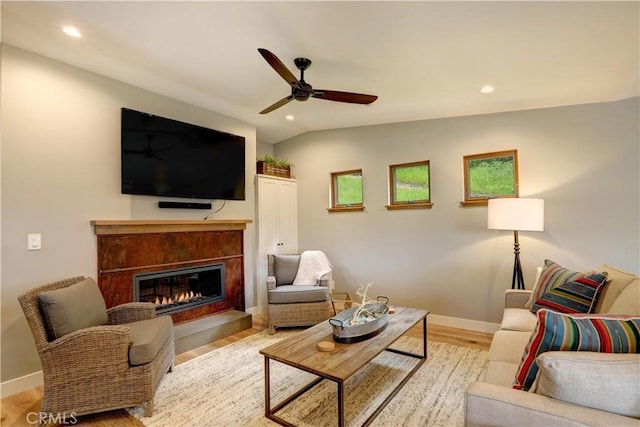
(334, 205)
(414, 204)
(484, 200)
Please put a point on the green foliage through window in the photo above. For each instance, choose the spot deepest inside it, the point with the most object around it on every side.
(349, 189)
(346, 190)
(491, 175)
(409, 185)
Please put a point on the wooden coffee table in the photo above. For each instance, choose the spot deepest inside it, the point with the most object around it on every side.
(301, 351)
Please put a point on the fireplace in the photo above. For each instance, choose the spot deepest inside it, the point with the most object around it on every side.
(180, 289)
(127, 248)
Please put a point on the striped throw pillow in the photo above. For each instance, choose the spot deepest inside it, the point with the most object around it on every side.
(577, 296)
(576, 332)
(552, 276)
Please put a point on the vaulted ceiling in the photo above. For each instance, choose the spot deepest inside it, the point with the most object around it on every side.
(422, 59)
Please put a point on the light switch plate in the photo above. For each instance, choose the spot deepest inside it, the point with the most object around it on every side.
(34, 242)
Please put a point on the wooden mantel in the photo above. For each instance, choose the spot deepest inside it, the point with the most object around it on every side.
(107, 227)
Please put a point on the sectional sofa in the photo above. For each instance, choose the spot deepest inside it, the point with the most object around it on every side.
(569, 388)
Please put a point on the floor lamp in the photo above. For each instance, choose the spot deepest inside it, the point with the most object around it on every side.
(518, 215)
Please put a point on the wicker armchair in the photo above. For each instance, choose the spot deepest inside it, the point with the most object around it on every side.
(294, 305)
(88, 370)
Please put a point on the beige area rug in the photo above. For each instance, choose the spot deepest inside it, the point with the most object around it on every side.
(226, 388)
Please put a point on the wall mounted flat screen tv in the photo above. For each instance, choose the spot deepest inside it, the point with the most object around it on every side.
(169, 158)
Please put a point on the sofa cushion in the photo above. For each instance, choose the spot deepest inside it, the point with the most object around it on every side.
(500, 373)
(75, 307)
(289, 294)
(286, 267)
(552, 276)
(147, 338)
(618, 280)
(628, 302)
(535, 285)
(575, 296)
(518, 319)
(507, 346)
(504, 355)
(576, 332)
(611, 385)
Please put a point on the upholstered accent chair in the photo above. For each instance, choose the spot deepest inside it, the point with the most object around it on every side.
(94, 359)
(301, 303)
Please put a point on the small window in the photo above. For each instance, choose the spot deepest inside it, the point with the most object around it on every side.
(409, 186)
(346, 191)
(490, 175)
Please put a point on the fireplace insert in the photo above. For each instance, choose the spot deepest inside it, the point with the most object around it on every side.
(180, 289)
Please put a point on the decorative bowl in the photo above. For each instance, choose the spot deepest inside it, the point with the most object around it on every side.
(370, 324)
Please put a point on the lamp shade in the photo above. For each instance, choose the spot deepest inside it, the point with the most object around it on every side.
(516, 214)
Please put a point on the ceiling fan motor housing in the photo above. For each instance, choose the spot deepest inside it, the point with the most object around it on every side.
(302, 63)
(302, 92)
(304, 89)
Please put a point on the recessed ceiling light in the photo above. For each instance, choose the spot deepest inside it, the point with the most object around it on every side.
(289, 117)
(71, 31)
(487, 89)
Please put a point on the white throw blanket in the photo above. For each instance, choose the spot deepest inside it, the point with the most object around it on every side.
(313, 266)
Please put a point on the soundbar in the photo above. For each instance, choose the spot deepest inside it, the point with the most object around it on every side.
(184, 205)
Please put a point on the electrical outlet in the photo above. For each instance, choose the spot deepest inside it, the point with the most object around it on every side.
(34, 242)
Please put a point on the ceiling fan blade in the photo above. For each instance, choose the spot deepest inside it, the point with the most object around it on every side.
(277, 105)
(353, 98)
(280, 68)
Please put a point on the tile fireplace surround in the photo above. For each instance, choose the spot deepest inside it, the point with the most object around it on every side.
(126, 248)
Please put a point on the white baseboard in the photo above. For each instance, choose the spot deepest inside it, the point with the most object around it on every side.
(456, 322)
(21, 384)
(453, 322)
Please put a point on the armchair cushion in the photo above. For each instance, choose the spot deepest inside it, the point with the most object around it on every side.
(75, 307)
(147, 338)
(286, 267)
(289, 294)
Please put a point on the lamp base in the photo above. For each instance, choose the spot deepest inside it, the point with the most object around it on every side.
(517, 281)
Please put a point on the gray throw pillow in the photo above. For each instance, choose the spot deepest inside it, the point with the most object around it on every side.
(286, 267)
(75, 307)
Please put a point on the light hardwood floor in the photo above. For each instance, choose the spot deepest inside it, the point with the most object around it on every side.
(16, 409)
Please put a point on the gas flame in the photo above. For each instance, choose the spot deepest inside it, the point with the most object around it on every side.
(183, 297)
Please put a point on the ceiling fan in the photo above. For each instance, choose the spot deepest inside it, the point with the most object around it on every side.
(301, 90)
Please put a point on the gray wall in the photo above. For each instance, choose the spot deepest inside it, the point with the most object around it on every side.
(582, 160)
(61, 169)
(263, 149)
